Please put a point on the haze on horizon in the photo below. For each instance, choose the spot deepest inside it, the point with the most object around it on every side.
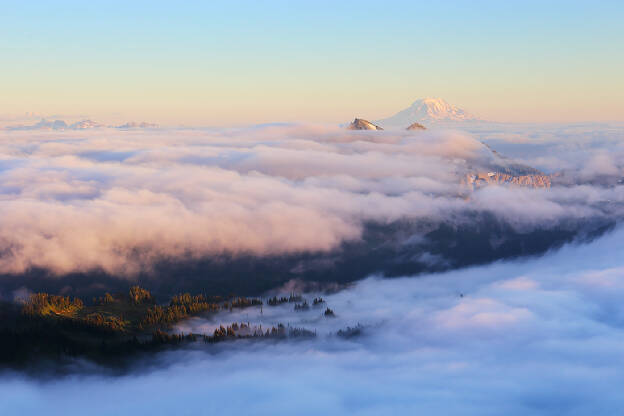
(244, 63)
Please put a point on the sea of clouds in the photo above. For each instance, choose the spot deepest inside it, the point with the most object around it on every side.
(541, 336)
(121, 201)
(533, 336)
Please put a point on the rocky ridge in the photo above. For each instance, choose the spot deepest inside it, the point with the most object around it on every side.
(475, 181)
(361, 124)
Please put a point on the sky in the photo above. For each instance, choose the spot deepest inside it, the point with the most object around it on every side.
(247, 62)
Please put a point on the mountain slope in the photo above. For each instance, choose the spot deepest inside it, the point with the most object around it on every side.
(426, 111)
(497, 169)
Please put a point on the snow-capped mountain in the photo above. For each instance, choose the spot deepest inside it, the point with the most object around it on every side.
(426, 111)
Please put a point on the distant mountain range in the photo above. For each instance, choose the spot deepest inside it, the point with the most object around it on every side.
(135, 125)
(426, 111)
(80, 125)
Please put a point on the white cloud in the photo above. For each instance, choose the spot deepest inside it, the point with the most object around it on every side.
(542, 336)
(121, 200)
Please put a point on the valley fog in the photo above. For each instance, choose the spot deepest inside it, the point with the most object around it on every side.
(245, 210)
(540, 336)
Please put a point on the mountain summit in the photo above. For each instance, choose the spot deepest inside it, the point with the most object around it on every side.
(426, 111)
(361, 124)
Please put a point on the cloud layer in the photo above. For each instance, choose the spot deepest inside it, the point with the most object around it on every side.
(530, 337)
(120, 201)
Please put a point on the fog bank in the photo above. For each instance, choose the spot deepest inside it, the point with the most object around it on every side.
(542, 336)
(122, 202)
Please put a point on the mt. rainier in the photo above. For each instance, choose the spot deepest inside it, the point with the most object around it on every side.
(426, 111)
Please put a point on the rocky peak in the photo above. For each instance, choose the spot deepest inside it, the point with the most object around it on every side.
(361, 124)
(416, 126)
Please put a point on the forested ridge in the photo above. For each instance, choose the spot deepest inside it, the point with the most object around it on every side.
(113, 328)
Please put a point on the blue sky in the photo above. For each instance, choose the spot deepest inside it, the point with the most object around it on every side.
(247, 62)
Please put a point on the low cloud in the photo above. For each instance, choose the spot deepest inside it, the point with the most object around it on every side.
(122, 201)
(542, 336)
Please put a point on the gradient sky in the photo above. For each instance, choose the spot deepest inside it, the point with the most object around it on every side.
(240, 62)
